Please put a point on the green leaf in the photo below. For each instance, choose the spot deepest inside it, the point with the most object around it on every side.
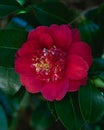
(96, 15)
(48, 13)
(10, 41)
(91, 103)
(8, 6)
(101, 76)
(91, 33)
(19, 101)
(51, 107)
(7, 10)
(21, 2)
(97, 68)
(9, 2)
(5, 103)
(9, 81)
(68, 112)
(98, 82)
(41, 118)
(3, 119)
(28, 2)
(25, 21)
(29, 18)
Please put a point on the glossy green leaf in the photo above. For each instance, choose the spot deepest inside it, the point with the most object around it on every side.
(48, 13)
(3, 119)
(91, 33)
(8, 6)
(91, 103)
(68, 112)
(10, 41)
(9, 81)
(21, 2)
(98, 82)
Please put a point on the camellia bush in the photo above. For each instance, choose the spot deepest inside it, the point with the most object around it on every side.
(51, 66)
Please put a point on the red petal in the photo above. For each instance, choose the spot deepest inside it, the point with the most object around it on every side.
(23, 66)
(62, 36)
(45, 40)
(82, 49)
(31, 84)
(52, 91)
(42, 35)
(77, 67)
(74, 85)
(32, 35)
(43, 29)
(28, 48)
(76, 35)
(61, 91)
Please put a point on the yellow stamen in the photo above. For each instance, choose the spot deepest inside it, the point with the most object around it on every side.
(43, 65)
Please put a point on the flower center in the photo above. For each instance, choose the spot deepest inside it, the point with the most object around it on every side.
(49, 64)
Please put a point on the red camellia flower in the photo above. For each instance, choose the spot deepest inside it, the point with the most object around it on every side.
(53, 61)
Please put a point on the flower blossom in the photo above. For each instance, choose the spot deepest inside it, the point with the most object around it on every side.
(53, 61)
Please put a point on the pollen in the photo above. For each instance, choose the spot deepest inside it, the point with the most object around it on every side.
(42, 65)
(49, 64)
